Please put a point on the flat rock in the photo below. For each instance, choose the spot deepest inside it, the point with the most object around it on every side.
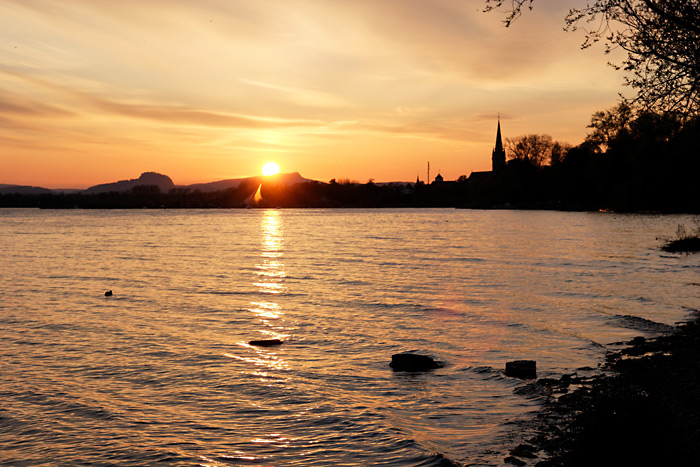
(514, 461)
(524, 450)
(524, 369)
(413, 362)
(266, 342)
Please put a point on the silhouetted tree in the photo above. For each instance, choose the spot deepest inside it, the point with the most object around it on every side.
(177, 197)
(607, 124)
(559, 152)
(661, 39)
(535, 149)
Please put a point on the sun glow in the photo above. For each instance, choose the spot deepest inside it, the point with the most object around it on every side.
(270, 168)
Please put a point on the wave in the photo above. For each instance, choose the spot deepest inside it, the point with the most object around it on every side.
(640, 324)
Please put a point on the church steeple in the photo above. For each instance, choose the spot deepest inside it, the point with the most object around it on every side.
(499, 143)
(498, 156)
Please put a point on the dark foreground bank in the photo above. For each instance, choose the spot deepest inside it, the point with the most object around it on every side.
(645, 412)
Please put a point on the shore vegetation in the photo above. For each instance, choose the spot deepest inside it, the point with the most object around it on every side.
(687, 240)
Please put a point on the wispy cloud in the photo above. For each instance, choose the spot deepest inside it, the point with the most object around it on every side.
(173, 114)
(13, 105)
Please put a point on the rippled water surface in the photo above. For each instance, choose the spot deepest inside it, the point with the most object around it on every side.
(161, 372)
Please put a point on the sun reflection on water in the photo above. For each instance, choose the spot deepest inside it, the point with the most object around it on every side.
(265, 310)
(270, 276)
(271, 270)
(268, 360)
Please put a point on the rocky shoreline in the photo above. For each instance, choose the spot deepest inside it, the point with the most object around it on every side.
(643, 411)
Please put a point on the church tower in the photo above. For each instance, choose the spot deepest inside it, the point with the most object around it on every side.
(498, 156)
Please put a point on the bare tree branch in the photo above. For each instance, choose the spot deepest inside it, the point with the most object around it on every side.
(661, 40)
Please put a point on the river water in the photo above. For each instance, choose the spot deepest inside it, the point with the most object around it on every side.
(161, 372)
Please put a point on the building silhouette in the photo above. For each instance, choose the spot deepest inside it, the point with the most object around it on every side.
(498, 159)
(498, 156)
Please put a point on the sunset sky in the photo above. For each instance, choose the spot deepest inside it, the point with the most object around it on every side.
(93, 91)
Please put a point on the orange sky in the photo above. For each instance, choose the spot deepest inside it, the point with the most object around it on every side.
(93, 91)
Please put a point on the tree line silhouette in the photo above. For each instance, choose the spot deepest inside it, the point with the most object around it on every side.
(314, 194)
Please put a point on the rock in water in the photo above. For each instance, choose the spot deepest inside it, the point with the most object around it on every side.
(266, 342)
(108, 293)
(514, 461)
(524, 369)
(413, 362)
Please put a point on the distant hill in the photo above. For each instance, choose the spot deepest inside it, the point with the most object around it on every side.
(22, 189)
(163, 182)
(147, 178)
(283, 179)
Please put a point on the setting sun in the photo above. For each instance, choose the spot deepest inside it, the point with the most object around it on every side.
(270, 168)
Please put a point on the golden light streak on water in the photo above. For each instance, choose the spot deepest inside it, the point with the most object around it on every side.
(265, 310)
(268, 360)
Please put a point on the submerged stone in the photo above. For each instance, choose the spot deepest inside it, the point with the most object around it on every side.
(514, 461)
(413, 362)
(524, 369)
(524, 450)
(266, 342)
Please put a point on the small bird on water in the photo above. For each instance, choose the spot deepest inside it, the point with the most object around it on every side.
(108, 293)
